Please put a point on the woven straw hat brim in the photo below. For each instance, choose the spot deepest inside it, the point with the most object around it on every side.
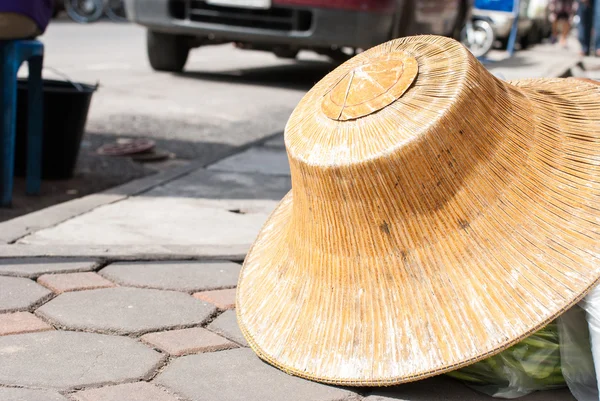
(514, 245)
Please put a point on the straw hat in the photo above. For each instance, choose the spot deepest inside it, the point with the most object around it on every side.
(437, 216)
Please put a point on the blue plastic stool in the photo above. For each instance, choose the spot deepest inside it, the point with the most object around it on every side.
(12, 54)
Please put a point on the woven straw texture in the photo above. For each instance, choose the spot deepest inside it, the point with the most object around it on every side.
(429, 232)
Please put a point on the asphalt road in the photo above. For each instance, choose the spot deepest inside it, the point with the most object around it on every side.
(225, 98)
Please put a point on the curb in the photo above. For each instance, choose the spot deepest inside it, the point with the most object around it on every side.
(536, 63)
(566, 70)
(235, 252)
(19, 227)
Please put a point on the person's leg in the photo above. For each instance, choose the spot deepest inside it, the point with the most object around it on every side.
(17, 26)
(585, 13)
(596, 26)
(565, 27)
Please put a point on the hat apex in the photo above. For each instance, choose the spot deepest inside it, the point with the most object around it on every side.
(450, 128)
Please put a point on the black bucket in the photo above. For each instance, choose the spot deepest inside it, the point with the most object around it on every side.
(66, 107)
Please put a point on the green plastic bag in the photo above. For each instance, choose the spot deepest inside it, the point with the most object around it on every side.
(559, 355)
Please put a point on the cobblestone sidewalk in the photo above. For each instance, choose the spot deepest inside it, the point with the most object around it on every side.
(89, 330)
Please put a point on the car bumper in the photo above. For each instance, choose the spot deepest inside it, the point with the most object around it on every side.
(327, 27)
(502, 22)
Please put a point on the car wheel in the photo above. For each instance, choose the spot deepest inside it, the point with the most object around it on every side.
(284, 53)
(481, 38)
(167, 52)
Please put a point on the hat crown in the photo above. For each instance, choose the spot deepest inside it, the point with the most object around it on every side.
(431, 233)
(415, 149)
(370, 86)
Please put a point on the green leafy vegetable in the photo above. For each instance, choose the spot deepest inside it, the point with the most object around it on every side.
(533, 363)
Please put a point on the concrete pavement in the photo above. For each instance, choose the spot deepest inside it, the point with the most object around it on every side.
(226, 97)
(198, 209)
(84, 324)
(170, 319)
(127, 343)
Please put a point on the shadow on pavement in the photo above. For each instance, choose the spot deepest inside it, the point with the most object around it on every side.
(516, 61)
(95, 173)
(302, 75)
(202, 152)
(225, 185)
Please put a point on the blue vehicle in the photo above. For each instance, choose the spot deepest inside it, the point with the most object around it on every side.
(482, 33)
(532, 25)
(495, 5)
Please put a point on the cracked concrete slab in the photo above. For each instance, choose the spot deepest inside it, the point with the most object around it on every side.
(204, 208)
(67, 360)
(161, 220)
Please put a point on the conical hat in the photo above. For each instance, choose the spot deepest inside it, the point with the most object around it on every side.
(437, 216)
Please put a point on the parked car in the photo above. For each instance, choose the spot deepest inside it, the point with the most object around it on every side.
(533, 24)
(284, 27)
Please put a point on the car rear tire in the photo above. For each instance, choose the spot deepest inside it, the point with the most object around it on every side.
(482, 39)
(284, 53)
(167, 52)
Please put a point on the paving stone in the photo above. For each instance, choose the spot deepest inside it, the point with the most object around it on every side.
(446, 389)
(21, 322)
(226, 325)
(60, 283)
(208, 184)
(33, 267)
(222, 299)
(66, 360)
(238, 375)
(141, 391)
(24, 394)
(164, 220)
(177, 276)
(188, 341)
(17, 294)
(277, 142)
(125, 310)
(262, 160)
